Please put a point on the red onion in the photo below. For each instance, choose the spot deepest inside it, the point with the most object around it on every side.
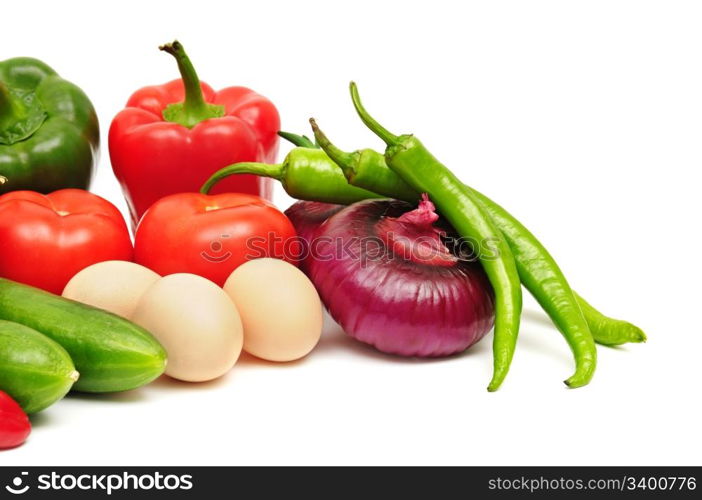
(386, 276)
(307, 216)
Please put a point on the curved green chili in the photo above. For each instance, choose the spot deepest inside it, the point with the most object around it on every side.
(535, 264)
(410, 160)
(305, 174)
(609, 331)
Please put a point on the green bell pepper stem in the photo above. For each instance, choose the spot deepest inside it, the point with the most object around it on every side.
(18, 119)
(194, 108)
(273, 171)
(8, 107)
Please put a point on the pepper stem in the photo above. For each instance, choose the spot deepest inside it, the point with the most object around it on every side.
(341, 158)
(389, 138)
(8, 107)
(274, 171)
(194, 108)
(21, 114)
(301, 141)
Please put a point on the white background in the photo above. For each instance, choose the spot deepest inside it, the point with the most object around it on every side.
(582, 118)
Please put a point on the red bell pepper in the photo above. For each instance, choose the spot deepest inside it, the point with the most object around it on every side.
(46, 239)
(14, 423)
(211, 235)
(172, 138)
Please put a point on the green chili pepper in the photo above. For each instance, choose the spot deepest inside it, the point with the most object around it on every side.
(609, 331)
(305, 174)
(533, 260)
(413, 162)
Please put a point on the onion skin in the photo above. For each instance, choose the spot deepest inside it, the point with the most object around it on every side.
(396, 304)
(307, 216)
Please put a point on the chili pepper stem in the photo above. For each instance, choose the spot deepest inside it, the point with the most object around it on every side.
(194, 108)
(346, 161)
(301, 141)
(389, 138)
(275, 171)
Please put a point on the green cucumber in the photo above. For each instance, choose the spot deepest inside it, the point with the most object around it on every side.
(34, 370)
(111, 353)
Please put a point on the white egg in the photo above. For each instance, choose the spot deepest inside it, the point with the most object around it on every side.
(280, 309)
(197, 323)
(115, 286)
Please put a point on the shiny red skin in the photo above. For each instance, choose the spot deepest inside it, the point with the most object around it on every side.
(398, 306)
(211, 235)
(46, 239)
(14, 423)
(153, 158)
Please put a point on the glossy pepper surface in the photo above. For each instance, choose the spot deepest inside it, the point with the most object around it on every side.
(171, 138)
(14, 423)
(49, 134)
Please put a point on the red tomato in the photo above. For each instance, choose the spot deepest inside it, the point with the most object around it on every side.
(46, 239)
(211, 235)
(14, 424)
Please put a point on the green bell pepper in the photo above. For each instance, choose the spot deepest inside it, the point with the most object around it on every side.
(49, 133)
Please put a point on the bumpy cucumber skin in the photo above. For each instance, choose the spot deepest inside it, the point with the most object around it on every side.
(34, 370)
(111, 353)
